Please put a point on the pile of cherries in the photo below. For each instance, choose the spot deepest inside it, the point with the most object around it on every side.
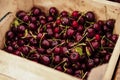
(73, 43)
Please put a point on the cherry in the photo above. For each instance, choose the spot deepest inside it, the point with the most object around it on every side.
(53, 11)
(33, 41)
(39, 36)
(114, 37)
(54, 43)
(97, 37)
(56, 30)
(58, 21)
(45, 60)
(83, 66)
(90, 16)
(35, 57)
(110, 23)
(57, 36)
(21, 14)
(107, 57)
(33, 19)
(90, 63)
(81, 20)
(65, 21)
(96, 61)
(75, 24)
(32, 27)
(64, 14)
(15, 45)
(74, 56)
(49, 25)
(43, 21)
(91, 32)
(50, 18)
(9, 49)
(26, 18)
(105, 28)
(56, 59)
(42, 17)
(70, 32)
(14, 29)
(64, 50)
(103, 52)
(36, 11)
(59, 68)
(20, 42)
(25, 50)
(41, 50)
(80, 28)
(45, 44)
(49, 32)
(56, 50)
(21, 28)
(97, 27)
(75, 14)
(78, 38)
(17, 52)
(69, 71)
(76, 66)
(9, 35)
(95, 44)
(108, 35)
(100, 23)
(70, 45)
(103, 42)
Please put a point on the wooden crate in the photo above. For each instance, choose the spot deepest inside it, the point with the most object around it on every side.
(14, 67)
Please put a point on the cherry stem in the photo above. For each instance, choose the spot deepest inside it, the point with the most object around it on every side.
(82, 14)
(64, 31)
(84, 75)
(22, 55)
(21, 21)
(32, 34)
(52, 59)
(90, 44)
(59, 63)
(57, 46)
(101, 44)
(86, 30)
(109, 40)
(80, 40)
(25, 35)
(41, 39)
(64, 67)
(38, 30)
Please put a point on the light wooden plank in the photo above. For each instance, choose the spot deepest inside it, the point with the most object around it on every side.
(23, 69)
(112, 63)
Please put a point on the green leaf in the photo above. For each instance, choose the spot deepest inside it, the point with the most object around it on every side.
(88, 52)
(16, 23)
(79, 50)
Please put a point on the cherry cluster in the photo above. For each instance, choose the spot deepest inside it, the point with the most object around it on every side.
(73, 43)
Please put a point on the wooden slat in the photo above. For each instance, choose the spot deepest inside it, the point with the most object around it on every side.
(112, 63)
(22, 69)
